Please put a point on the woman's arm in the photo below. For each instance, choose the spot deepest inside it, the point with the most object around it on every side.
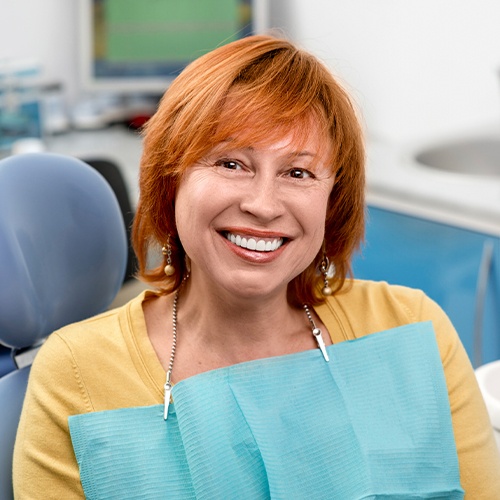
(478, 455)
(44, 462)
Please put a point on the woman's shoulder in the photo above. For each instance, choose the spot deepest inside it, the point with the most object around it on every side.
(401, 302)
(364, 307)
(93, 357)
(95, 334)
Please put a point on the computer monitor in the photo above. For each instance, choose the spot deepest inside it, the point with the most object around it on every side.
(140, 46)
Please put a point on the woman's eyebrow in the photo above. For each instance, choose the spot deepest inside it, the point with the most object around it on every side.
(303, 153)
(292, 154)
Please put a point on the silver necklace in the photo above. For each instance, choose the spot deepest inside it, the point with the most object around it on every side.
(168, 383)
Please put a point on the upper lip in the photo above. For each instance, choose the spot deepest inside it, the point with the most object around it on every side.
(253, 233)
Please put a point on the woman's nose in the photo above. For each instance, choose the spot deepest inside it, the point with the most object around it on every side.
(262, 198)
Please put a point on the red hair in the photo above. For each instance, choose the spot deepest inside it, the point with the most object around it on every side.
(281, 88)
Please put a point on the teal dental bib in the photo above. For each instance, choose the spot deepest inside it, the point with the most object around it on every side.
(372, 423)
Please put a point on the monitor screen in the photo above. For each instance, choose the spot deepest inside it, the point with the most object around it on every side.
(140, 46)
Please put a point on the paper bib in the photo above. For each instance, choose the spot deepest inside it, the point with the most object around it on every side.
(372, 423)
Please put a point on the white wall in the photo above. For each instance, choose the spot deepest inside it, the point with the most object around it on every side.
(418, 68)
(44, 30)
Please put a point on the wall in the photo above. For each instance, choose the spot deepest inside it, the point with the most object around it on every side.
(418, 69)
(44, 30)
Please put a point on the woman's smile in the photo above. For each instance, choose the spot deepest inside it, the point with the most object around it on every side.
(254, 242)
(254, 249)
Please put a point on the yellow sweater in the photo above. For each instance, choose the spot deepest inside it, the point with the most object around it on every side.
(108, 362)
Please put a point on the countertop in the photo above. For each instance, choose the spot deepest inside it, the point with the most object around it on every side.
(397, 182)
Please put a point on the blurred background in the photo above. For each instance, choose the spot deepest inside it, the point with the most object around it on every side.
(417, 69)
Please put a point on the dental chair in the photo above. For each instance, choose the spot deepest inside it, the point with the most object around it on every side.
(63, 254)
(111, 172)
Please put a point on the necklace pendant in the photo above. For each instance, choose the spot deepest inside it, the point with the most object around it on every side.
(317, 333)
(321, 343)
(168, 390)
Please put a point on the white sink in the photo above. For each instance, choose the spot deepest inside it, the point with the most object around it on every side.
(474, 156)
(488, 377)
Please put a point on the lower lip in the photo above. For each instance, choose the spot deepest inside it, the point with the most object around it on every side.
(254, 256)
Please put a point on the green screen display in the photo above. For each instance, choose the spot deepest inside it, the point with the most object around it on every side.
(168, 29)
(148, 37)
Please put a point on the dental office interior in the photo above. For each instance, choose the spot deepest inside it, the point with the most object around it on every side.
(426, 78)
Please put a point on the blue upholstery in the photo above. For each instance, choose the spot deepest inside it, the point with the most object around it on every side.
(63, 252)
(12, 389)
(6, 361)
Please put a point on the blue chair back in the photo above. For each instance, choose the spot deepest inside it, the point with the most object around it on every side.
(63, 253)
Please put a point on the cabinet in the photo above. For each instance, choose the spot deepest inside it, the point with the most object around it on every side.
(458, 268)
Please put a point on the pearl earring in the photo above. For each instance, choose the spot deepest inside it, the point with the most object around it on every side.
(324, 266)
(166, 250)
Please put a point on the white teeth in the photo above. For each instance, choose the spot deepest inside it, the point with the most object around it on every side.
(253, 244)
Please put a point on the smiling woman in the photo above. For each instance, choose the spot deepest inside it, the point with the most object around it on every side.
(257, 365)
(251, 93)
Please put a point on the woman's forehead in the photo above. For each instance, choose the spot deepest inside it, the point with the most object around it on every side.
(287, 144)
(304, 138)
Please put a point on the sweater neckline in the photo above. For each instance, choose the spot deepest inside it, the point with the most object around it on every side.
(146, 360)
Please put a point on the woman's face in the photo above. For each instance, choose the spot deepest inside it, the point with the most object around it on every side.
(251, 219)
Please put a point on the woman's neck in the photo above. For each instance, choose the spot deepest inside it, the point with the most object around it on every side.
(239, 328)
(217, 329)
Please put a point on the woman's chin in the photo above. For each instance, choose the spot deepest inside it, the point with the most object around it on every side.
(242, 287)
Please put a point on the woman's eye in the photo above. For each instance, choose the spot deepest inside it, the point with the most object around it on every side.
(229, 164)
(299, 173)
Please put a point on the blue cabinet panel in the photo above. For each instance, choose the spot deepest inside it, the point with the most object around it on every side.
(445, 262)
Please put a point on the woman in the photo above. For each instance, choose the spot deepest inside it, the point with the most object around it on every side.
(235, 377)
